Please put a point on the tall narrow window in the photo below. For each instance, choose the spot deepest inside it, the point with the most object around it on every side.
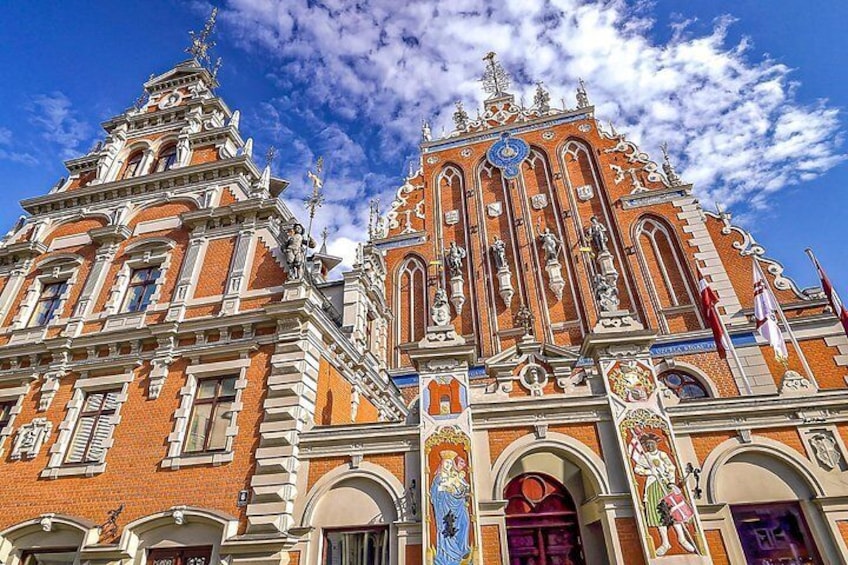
(48, 303)
(167, 159)
(411, 290)
(5, 414)
(666, 276)
(211, 415)
(141, 289)
(93, 427)
(133, 165)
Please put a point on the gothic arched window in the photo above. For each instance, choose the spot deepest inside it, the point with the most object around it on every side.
(666, 276)
(133, 165)
(411, 292)
(684, 385)
(166, 159)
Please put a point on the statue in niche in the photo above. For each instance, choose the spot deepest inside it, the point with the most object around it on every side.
(454, 257)
(597, 233)
(498, 249)
(606, 293)
(550, 244)
(440, 311)
(296, 252)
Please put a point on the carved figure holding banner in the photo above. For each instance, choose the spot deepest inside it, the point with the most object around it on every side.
(665, 504)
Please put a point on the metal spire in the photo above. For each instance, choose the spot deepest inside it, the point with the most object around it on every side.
(200, 42)
(495, 79)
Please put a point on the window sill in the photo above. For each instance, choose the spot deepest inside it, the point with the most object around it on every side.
(206, 458)
(29, 335)
(86, 469)
(125, 320)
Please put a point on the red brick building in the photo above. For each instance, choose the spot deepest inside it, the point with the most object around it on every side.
(516, 370)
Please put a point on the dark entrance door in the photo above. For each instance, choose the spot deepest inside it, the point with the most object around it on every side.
(541, 522)
(775, 533)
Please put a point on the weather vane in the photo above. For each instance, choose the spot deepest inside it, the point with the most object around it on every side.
(316, 199)
(495, 79)
(201, 44)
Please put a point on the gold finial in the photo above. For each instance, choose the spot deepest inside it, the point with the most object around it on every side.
(495, 79)
(316, 199)
(200, 42)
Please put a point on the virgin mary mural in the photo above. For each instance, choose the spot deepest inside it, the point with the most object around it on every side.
(449, 494)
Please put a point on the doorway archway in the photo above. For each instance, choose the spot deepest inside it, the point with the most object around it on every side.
(541, 522)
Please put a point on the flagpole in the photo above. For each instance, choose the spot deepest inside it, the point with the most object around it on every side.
(735, 356)
(786, 325)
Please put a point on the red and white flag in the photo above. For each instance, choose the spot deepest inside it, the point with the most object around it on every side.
(709, 307)
(836, 303)
(765, 311)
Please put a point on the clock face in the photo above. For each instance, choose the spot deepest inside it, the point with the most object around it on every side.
(507, 154)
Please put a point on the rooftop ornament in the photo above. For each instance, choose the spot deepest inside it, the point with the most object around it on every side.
(201, 44)
(495, 79)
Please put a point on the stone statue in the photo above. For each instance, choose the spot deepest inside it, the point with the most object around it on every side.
(296, 252)
(606, 293)
(525, 319)
(440, 311)
(550, 244)
(498, 249)
(597, 232)
(426, 132)
(454, 257)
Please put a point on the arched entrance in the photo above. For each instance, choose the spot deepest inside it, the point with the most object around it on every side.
(541, 522)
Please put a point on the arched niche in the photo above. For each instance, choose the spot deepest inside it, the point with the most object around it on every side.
(354, 502)
(753, 476)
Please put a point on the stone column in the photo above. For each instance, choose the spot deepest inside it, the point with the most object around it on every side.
(442, 359)
(182, 292)
(241, 263)
(13, 287)
(669, 527)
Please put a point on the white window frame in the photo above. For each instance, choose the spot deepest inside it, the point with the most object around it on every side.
(148, 252)
(56, 466)
(61, 268)
(14, 394)
(176, 440)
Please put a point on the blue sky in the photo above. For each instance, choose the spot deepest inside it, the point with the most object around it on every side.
(749, 95)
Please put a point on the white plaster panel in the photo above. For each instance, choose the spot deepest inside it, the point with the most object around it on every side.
(160, 224)
(70, 241)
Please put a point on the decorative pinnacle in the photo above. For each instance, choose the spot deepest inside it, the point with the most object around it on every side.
(373, 216)
(668, 168)
(495, 79)
(542, 99)
(270, 156)
(200, 42)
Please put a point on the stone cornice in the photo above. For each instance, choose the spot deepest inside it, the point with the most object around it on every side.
(334, 441)
(228, 170)
(547, 409)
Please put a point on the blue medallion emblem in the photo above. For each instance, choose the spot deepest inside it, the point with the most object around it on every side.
(507, 154)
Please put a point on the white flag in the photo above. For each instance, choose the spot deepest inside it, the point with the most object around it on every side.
(764, 311)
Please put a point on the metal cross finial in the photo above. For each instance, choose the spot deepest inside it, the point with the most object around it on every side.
(495, 79)
(270, 155)
(200, 42)
(316, 199)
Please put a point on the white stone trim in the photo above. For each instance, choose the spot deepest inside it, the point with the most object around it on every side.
(17, 394)
(82, 387)
(63, 268)
(171, 222)
(69, 241)
(176, 439)
(155, 252)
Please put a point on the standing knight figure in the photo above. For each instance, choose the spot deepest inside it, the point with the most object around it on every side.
(454, 257)
(606, 293)
(550, 244)
(498, 249)
(296, 252)
(597, 232)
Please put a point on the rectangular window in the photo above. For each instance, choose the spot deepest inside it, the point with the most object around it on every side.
(365, 546)
(50, 557)
(211, 415)
(48, 303)
(93, 427)
(141, 289)
(5, 413)
(180, 556)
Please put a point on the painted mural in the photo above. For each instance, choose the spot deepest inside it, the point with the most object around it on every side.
(450, 528)
(665, 510)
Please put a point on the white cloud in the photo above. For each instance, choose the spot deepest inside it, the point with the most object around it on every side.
(59, 123)
(363, 75)
(10, 154)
